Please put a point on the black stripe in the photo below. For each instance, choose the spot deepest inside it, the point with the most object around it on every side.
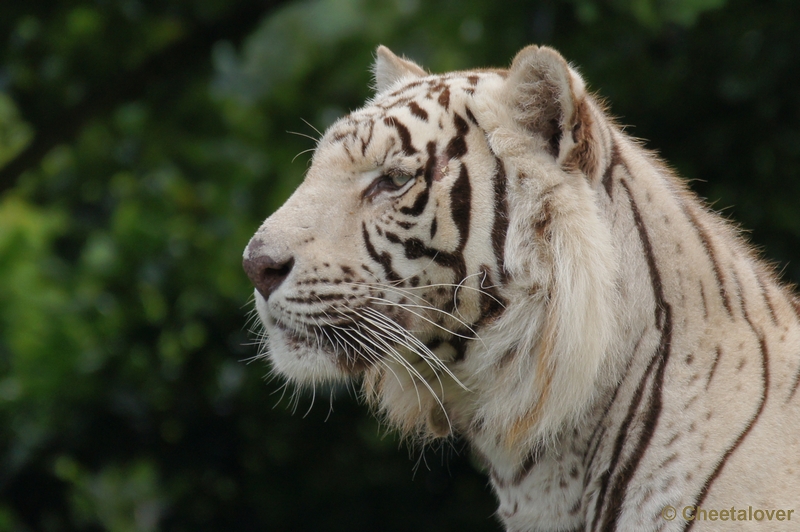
(392, 104)
(627, 470)
(739, 291)
(608, 175)
(655, 277)
(471, 116)
(600, 429)
(457, 147)
(527, 466)
(703, 300)
(500, 225)
(433, 344)
(506, 358)
(765, 392)
(340, 136)
(430, 164)
(461, 206)
(459, 343)
(314, 297)
(444, 97)
(554, 142)
(491, 302)
(767, 300)
(384, 259)
(591, 450)
(656, 368)
(405, 88)
(415, 249)
(365, 143)
(402, 131)
(421, 202)
(418, 111)
(709, 247)
(393, 238)
(349, 155)
(714, 366)
(531, 459)
(794, 387)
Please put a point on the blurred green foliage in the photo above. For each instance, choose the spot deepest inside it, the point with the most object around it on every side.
(141, 144)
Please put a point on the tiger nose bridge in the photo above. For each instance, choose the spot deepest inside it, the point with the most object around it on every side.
(267, 266)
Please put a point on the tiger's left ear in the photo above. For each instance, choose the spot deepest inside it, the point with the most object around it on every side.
(545, 94)
(389, 68)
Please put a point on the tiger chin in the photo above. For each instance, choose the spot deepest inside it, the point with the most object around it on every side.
(489, 255)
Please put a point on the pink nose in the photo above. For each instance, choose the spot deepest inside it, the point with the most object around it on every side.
(266, 273)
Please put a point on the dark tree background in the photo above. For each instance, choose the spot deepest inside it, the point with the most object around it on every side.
(143, 141)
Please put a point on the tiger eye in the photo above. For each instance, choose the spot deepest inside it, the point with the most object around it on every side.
(398, 180)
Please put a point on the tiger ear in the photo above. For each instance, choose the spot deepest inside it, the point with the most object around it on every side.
(389, 68)
(545, 94)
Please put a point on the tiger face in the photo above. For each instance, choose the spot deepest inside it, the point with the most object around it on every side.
(391, 262)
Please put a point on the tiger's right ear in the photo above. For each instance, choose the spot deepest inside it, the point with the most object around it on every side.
(546, 94)
(388, 69)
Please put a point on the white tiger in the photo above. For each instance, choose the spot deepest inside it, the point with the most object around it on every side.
(492, 256)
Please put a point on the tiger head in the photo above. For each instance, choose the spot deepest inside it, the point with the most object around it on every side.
(448, 248)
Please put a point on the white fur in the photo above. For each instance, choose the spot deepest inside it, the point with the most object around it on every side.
(605, 265)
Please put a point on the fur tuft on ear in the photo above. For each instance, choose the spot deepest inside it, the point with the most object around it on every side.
(389, 69)
(545, 94)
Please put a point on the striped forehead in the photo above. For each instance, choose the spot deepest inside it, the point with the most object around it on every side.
(419, 103)
(437, 89)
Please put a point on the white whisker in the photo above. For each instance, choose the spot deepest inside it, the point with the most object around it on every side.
(396, 356)
(403, 337)
(381, 360)
(316, 141)
(313, 398)
(302, 152)
(406, 307)
(317, 131)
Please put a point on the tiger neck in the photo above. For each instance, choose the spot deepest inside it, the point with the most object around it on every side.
(627, 188)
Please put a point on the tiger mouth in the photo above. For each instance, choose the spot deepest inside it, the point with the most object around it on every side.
(354, 346)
